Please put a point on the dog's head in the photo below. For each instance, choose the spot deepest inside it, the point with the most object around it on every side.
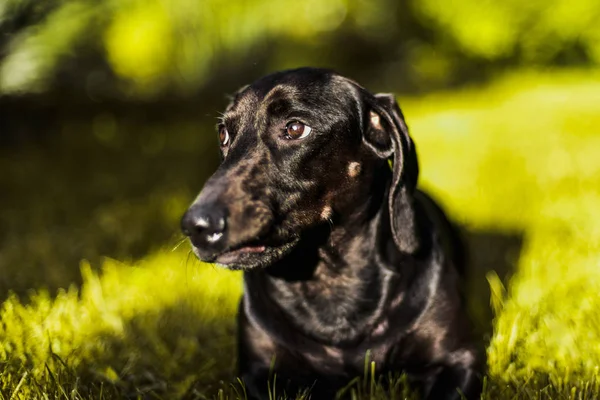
(301, 149)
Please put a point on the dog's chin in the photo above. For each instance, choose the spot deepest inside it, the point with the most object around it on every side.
(248, 257)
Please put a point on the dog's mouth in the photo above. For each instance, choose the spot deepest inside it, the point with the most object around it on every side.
(233, 255)
(249, 255)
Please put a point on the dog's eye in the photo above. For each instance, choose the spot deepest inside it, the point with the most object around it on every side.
(297, 130)
(223, 136)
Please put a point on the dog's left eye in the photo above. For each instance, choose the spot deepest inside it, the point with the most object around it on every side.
(223, 136)
(297, 130)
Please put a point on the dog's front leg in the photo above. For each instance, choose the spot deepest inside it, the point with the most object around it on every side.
(459, 378)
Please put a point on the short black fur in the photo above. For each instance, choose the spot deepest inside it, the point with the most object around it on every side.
(341, 253)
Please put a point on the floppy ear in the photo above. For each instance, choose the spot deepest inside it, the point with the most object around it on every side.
(387, 135)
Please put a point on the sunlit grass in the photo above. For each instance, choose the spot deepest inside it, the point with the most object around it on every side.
(522, 154)
(159, 325)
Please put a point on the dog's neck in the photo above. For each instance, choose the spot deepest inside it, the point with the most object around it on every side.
(337, 281)
(344, 243)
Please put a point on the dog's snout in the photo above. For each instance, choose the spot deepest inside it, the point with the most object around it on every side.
(205, 225)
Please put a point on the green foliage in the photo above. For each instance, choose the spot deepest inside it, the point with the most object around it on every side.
(155, 43)
(519, 155)
(537, 31)
(178, 46)
(35, 53)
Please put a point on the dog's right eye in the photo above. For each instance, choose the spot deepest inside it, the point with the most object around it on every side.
(297, 130)
(223, 136)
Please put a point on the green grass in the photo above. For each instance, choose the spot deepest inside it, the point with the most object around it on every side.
(520, 155)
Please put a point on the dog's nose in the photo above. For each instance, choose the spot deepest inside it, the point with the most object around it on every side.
(205, 225)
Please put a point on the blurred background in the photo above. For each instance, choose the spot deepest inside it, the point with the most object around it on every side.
(107, 108)
(107, 115)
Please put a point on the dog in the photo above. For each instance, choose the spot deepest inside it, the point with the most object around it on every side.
(316, 201)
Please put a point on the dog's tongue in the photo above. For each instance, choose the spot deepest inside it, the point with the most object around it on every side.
(252, 249)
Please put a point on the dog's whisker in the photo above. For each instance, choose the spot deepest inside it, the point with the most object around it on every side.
(187, 271)
(187, 258)
(330, 220)
(179, 243)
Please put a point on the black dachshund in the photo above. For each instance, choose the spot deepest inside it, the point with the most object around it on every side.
(341, 254)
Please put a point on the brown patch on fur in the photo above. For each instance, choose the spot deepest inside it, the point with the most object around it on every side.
(244, 208)
(329, 359)
(329, 285)
(381, 328)
(326, 213)
(375, 120)
(354, 169)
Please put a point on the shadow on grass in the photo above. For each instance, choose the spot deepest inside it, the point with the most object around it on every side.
(171, 353)
(488, 251)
